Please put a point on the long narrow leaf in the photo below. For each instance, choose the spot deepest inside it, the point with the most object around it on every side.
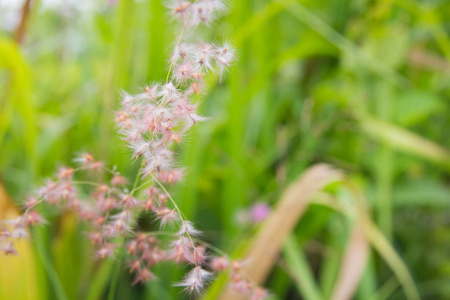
(298, 266)
(269, 240)
(405, 141)
(352, 265)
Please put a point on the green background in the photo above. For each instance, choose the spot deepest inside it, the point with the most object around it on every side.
(361, 85)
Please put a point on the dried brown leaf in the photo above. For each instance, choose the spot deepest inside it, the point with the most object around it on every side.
(353, 264)
(265, 248)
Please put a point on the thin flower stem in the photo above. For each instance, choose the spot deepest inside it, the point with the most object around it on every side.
(211, 247)
(172, 62)
(109, 170)
(182, 217)
(201, 242)
(140, 187)
(138, 176)
(115, 276)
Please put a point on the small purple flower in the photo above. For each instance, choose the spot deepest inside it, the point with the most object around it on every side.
(259, 211)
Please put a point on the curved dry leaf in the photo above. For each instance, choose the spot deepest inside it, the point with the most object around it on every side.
(265, 248)
(353, 264)
(406, 141)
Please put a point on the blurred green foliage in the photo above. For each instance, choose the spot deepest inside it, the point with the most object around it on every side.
(362, 85)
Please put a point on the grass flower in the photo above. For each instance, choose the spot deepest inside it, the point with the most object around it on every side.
(144, 275)
(8, 249)
(187, 228)
(196, 280)
(151, 122)
(220, 264)
(107, 250)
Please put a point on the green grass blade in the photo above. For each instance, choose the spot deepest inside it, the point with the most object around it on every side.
(405, 141)
(100, 281)
(344, 44)
(298, 265)
(46, 261)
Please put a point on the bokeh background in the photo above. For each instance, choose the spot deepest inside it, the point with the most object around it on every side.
(361, 85)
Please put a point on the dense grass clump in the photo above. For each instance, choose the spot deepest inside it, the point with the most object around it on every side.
(361, 86)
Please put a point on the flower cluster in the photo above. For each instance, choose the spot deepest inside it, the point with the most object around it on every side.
(239, 281)
(193, 13)
(152, 122)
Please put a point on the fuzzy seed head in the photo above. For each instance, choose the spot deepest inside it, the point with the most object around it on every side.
(196, 280)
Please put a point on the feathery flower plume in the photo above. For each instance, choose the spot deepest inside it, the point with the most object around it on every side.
(151, 122)
(196, 280)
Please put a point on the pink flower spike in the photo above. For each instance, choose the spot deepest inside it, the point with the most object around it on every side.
(169, 93)
(107, 250)
(144, 275)
(219, 5)
(127, 99)
(151, 92)
(96, 238)
(181, 249)
(140, 148)
(85, 213)
(241, 285)
(101, 190)
(132, 247)
(175, 138)
(31, 202)
(153, 256)
(118, 180)
(236, 266)
(33, 218)
(8, 249)
(152, 191)
(187, 111)
(202, 11)
(108, 203)
(166, 216)
(65, 173)
(198, 256)
(85, 159)
(204, 56)
(184, 73)
(128, 201)
(149, 205)
(19, 233)
(120, 224)
(259, 294)
(162, 197)
(4, 233)
(196, 280)
(182, 52)
(195, 87)
(135, 265)
(181, 9)
(173, 176)
(17, 222)
(224, 57)
(187, 228)
(220, 264)
(99, 221)
(96, 165)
